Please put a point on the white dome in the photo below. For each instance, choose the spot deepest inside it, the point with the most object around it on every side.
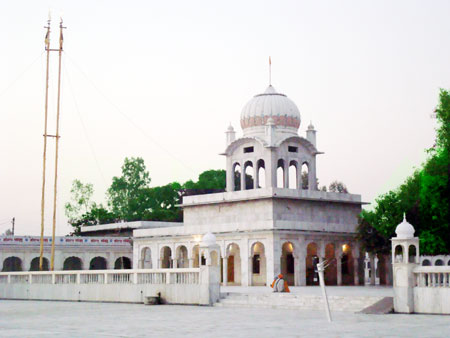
(270, 104)
(405, 230)
(208, 239)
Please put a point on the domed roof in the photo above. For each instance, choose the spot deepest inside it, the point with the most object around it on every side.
(405, 230)
(278, 106)
(208, 239)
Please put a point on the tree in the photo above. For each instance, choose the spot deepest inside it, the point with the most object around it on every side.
(423, 197)
(80, 200)
(337, 186)
(8, 232)
(127, 195)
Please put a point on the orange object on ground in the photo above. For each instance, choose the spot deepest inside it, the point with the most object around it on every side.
(286, 287)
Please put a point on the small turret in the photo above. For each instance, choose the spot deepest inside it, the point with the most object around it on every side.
(231, 135)
(311, 134)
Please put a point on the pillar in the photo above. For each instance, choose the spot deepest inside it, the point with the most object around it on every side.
(312, 181)
(244, 254)
(356, 270)
(372, 268)
(255, 176)
(242, 176)
(174, 263)
(225, 270)
(191, 262)
(338, 255)
(285, 175)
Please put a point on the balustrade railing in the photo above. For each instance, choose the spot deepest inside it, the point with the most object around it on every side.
(140, 276)
(432, 276)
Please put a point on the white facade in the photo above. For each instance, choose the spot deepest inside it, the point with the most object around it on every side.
(271, 218)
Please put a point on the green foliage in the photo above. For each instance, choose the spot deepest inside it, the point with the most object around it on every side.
(128, 194)
(130, 198)
(337, 186)
(80, 201)
(424, 197)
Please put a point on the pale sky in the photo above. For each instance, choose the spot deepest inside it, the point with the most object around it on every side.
(163, 79)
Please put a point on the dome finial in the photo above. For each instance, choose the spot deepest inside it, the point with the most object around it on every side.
(270, 71)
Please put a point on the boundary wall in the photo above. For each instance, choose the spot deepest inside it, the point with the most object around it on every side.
(198, 286)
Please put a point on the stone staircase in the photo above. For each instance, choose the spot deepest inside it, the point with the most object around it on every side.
(296, 301)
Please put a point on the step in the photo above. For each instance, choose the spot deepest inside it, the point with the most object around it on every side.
(293, 301)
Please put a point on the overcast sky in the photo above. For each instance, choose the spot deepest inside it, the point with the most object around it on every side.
(163, 79)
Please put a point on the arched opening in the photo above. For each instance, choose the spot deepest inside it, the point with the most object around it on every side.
(12, 264)
(331, 271)
(214, 258)
(182, 257)
(234, 264)
(261, 174)
(98, 263)
(72, 263)
(293, 184)
(440, 276)
(166, 258)
(412, 253)
(196, 256)
(237, 176)
(312, 278)
(146, 258)
(347, 269)
(34, 265)
(305, 175)
(426, 262)
(439, 262)
(287, 263)
(122, 263)
(448, 262)
(398, 254)
(280, 174)
(258, 267)
(249, 179)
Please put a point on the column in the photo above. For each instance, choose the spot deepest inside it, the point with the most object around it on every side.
(244, 262)
(286, 175)
(255, 175)
(242, 177)
(230, 175)
(356, 270)
(312, 181)
(372, 268)
(250, 271)
(174, 263)
(299, 176)
(191, 263)
(338, 255)
(225, 270)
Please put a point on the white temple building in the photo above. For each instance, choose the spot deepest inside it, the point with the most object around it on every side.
(269, 220)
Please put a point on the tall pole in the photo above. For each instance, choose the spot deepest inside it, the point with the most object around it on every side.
(52, 260)
(47, 48)
(13, 221)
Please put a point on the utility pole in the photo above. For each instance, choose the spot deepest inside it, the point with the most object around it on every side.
(13, 221)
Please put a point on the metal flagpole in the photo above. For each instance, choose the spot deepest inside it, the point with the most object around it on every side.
(52, 260)
(47, 48)
(270, 71)
(321, 269)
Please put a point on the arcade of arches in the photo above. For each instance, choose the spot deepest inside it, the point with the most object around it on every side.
(246, 262)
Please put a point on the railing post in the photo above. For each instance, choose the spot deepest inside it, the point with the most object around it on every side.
(9, 279)
(53, 278)
(78, 278)
(30, 278)
(167, 277)
(135, 278)
(106, 278)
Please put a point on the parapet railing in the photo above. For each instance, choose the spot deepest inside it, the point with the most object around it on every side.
(139, 276)
(432, 276)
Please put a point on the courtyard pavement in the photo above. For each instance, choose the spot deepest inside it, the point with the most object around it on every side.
(72, 319)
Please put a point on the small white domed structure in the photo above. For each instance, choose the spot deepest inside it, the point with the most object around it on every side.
(208, 239)
(405, 230)
(270, 104)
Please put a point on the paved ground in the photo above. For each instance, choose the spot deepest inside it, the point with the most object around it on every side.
(69, 319)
